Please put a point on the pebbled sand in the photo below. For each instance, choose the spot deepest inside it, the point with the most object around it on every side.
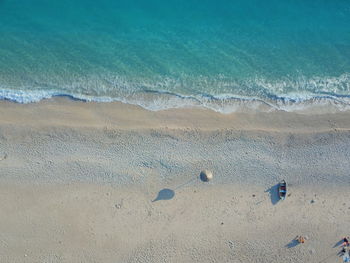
(79, 183)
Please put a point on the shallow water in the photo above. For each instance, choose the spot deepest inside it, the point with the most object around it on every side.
(166, 54)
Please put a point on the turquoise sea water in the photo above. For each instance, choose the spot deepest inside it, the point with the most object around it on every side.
(163, 54)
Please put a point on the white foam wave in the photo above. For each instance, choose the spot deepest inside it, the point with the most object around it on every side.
(224, 103)
(258, 94)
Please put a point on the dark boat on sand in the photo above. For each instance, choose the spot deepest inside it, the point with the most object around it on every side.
(282, 190)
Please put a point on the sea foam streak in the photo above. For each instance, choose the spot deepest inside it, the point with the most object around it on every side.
(303, 94)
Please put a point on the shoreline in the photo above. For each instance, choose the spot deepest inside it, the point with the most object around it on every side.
(325, 95)
(78, 182)
(66, 112)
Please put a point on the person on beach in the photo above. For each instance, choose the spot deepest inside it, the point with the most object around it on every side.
(301, 239)
(346, 257)
(346, 242)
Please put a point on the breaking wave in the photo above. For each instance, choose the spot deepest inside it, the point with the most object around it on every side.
(223, 95)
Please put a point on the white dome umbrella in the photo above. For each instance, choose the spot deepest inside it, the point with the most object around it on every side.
(206, 175)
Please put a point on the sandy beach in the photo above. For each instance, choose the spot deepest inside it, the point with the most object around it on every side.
(110, 182)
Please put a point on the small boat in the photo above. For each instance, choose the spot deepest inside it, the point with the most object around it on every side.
(282, 190)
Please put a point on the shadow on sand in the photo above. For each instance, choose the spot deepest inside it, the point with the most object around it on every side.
(338, 243)
(273, 191)
(167, 194)
(292, 243)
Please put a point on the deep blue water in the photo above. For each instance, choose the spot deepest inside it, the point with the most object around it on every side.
(162, 54)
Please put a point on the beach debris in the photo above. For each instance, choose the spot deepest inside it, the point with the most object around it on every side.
(3, 156)
(206, 175)
(231, 244)
(119, 205)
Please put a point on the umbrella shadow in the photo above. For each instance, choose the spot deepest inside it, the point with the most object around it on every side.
(165, 194)
(292, 243)
(273, 191)
(168, 194)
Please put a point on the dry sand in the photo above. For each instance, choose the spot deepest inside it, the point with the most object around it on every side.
(89, 182)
